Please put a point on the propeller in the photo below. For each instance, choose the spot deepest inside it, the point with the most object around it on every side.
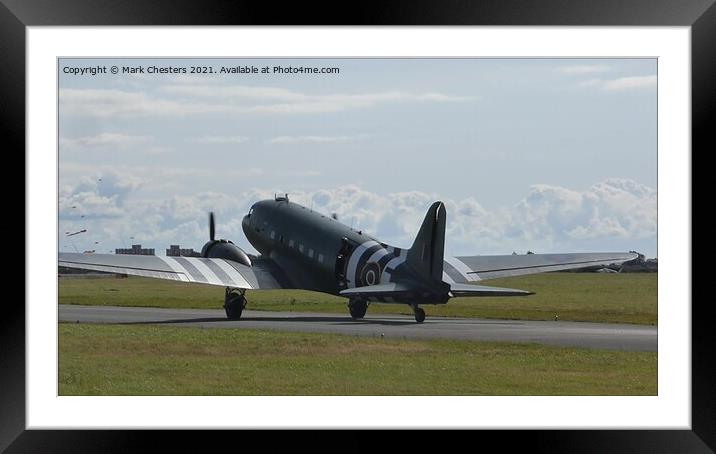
(222, 249)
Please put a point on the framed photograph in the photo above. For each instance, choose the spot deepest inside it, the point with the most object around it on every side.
(134, 133)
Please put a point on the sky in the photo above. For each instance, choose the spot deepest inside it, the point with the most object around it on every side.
(546, 155)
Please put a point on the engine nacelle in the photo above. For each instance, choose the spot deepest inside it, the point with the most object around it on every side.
(225, 249)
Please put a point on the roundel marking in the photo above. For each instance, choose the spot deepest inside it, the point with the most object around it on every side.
(358, 253)
(370, 274)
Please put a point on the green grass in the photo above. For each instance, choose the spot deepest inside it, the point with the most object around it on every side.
(594, 297)
(158, 360)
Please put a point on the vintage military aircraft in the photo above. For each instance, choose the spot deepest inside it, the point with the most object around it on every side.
(304, 249)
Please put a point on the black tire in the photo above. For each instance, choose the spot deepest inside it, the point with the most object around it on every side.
(357, 309)
(419, 315)
(234, 304)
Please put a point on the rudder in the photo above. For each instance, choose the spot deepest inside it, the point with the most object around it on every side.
(426, 254)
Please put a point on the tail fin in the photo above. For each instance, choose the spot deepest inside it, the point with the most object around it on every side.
(426, 254)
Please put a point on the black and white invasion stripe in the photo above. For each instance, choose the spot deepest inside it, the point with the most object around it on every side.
(372, 252)
(455, 271)
(209, 271)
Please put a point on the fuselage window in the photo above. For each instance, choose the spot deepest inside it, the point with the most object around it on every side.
(291, 243)
(273, 234)
(300, 248)
(320, 258)
(310, 253)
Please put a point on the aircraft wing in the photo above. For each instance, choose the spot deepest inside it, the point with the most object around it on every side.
(226, 273)
(481, 267)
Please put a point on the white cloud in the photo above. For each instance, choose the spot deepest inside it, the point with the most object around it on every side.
(622, 83)
(105, 139)
(614, 214)
(312, 139)
(111, 142)
(91, 197)
(612, 208)
(583, 69)
(262, 93)
(630, 83)
(108, 103)
(212, 99)
(72, 172)
(234, 91)
(549, 218)
(157, 150)
(222, 139)
(591, 83)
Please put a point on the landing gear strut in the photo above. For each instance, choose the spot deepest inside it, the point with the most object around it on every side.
(234, 302)
(419, 314)
(357, 308)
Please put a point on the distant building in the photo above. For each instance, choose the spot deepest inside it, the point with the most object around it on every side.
(175, 251)
(136, 249)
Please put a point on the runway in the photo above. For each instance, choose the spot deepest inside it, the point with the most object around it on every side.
(573, 334)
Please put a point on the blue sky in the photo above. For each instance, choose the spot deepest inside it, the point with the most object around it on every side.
(546, 155)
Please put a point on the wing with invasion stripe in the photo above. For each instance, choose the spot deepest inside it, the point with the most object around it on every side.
(481, 267)
(226, 273)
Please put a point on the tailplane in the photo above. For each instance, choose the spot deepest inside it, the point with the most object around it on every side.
(426, 254)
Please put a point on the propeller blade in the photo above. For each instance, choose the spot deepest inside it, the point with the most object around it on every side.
(211, 226)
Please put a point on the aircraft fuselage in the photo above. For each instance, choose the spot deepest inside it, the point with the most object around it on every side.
(322, 253)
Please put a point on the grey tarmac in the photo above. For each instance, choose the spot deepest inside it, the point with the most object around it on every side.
(572, 334)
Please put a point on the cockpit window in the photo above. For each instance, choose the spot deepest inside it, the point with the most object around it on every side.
(251, 210)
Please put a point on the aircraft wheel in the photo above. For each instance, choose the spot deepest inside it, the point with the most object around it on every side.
(234, 304)
(419, 315)
(357, 308)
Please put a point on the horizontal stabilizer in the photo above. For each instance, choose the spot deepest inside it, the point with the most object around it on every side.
(459, 290)
(372, 291)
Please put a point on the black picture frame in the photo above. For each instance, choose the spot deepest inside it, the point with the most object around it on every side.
(16, 15)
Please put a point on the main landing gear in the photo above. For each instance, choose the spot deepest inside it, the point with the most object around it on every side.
(357, 308)
(234, 302)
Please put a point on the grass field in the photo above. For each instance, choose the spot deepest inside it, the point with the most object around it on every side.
(159, 360)
(594, 297)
